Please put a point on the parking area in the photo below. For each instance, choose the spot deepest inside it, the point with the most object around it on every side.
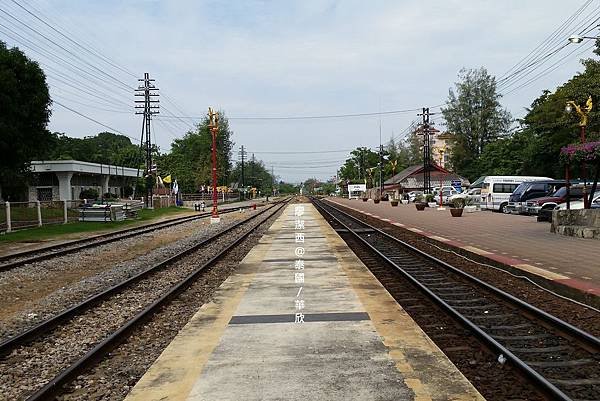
(515, 240)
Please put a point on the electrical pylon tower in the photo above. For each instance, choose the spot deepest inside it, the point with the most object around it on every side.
(147, 107)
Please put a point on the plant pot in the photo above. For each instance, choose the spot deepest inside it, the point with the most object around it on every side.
(420, 206)
(456, 212)
(405, 201)
(431, 204)
(376, 200)
(394, 203)
(365, 199)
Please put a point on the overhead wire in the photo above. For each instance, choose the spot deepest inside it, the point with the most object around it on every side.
(541, 48)
(93, 119)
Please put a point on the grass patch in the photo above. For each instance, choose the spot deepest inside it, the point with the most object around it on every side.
(58, 230)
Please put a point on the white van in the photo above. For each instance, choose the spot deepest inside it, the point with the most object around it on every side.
(496, 190)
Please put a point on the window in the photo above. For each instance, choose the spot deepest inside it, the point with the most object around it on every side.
(505, 188)
(44, 194)
(538, 188)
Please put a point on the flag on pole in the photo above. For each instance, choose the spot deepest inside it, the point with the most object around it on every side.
(167, 179)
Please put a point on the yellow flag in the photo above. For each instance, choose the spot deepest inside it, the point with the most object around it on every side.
(167, 179)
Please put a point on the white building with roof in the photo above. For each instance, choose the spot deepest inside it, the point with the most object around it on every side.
(65, 179)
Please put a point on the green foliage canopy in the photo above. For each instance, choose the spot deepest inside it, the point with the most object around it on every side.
(25, 110)
(475, 117)
(190, 158)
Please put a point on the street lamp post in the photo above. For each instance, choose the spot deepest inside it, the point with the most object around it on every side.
(213, 126)
(583, 116)
(441, 152)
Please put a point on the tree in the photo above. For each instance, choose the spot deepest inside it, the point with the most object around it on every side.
(24, 114)
(475, 117)
(256, 175)
(190, 158)
(287, 188)
(535, 148)
(105, 148)
(355, 168)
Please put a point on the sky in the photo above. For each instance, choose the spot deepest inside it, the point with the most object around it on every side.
(257, 59)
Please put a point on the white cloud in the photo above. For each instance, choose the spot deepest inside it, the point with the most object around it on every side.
(307, 57)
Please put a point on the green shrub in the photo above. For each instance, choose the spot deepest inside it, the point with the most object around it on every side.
(459, 203)
(89, 193)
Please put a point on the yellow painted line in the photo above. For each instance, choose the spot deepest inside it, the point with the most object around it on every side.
(385, 219)
(426, 370)
(398, 224)
(374, 215)
(540, 272)
(476, 250)
(416, 230)
(439, 238)
(173, 375)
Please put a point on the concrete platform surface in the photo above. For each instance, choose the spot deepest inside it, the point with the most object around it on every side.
(336, 334)
(515, 240)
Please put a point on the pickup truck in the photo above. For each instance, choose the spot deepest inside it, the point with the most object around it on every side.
(542, 207)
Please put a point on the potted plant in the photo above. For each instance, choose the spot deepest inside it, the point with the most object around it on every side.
(364, 197)
(457, 208)
(470, 206)
(376, 199)
(394, 202)
(430, 200)
(419, 204)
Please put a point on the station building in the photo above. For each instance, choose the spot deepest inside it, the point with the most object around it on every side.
(411, 179)
(65, 179)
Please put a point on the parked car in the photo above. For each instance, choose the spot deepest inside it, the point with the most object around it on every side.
(530, 190)
(546, 214)
(534, 206)
(447, 193)
(412, 195)
(474, 194)
(496, 190)
(579, 204)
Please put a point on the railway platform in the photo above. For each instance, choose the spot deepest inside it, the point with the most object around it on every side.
(513, 240)
(302, 318)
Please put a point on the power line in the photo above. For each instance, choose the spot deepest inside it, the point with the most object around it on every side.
(66, 50)
(315, 117)
(543, 45)
(302, 152)
(93, 120)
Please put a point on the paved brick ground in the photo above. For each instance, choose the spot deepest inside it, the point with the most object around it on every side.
(515, 240)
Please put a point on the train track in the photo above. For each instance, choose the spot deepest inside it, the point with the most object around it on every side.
(9, 262)
(80, 336)
(561, 360)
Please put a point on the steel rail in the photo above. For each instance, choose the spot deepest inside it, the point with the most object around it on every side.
(26, 336)
(97, 240)
(565, 327)
(51, 389)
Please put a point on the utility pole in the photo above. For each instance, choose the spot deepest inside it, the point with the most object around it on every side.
(272, 180)
(242, 154)
(426, 131)
(148, 109)
(252, 171)
(213, 126)
(380, 159)
(380, 170)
